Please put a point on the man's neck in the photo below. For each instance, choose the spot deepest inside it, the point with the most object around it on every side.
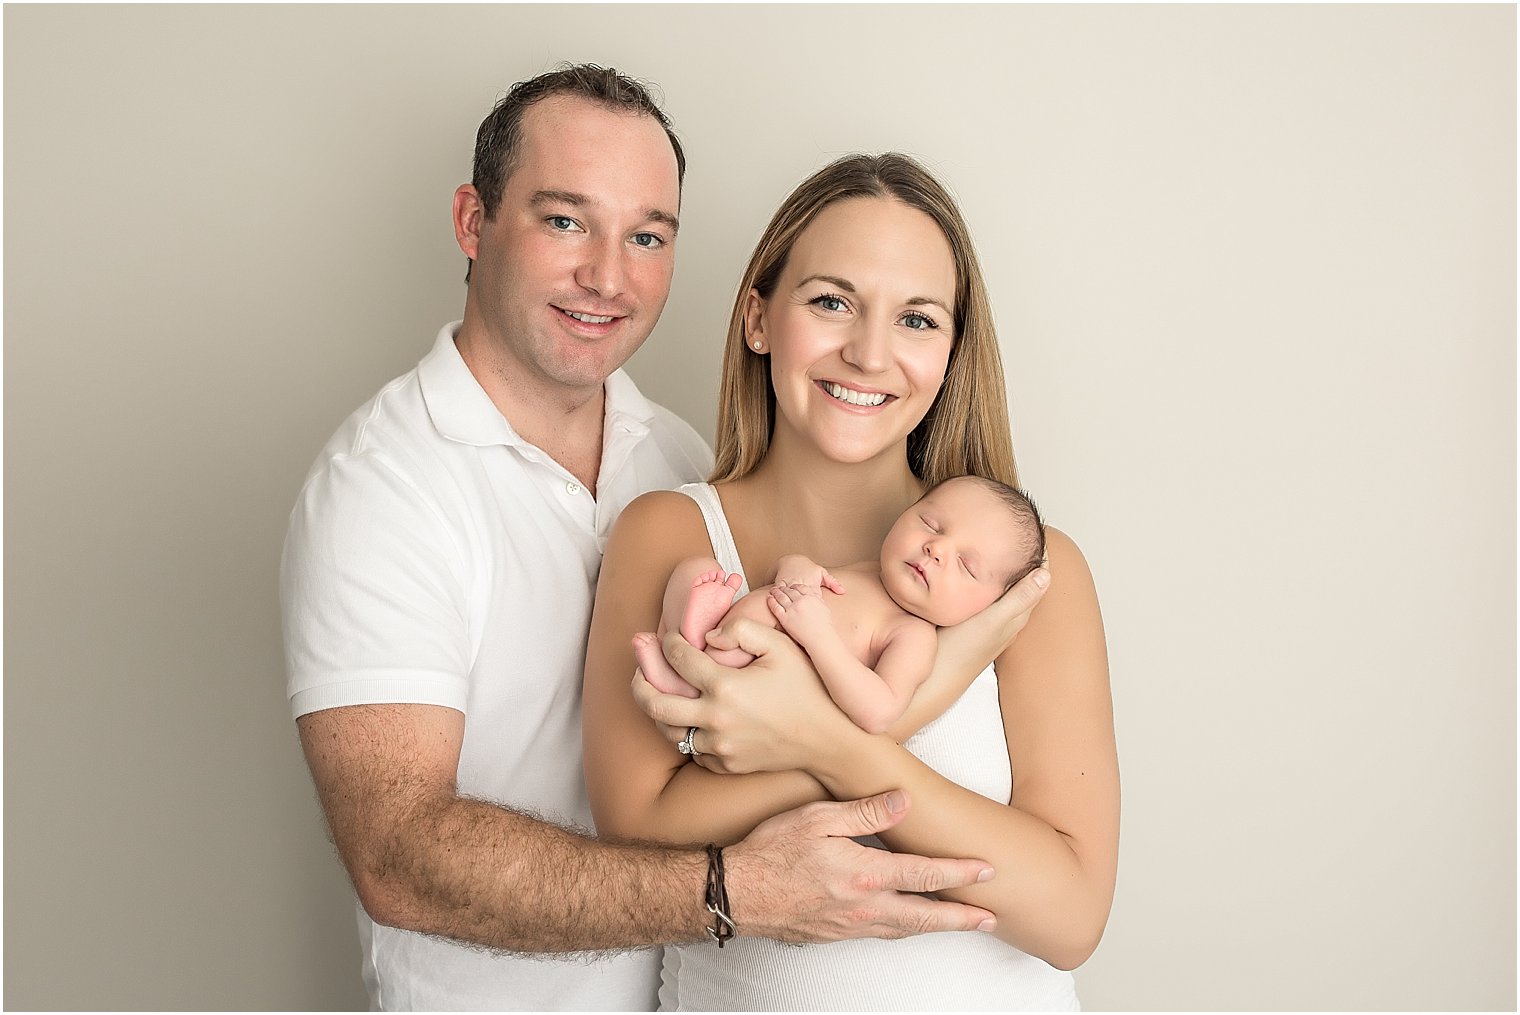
(565, 423)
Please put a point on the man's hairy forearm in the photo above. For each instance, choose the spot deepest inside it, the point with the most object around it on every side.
(423, 858)
(480, 873)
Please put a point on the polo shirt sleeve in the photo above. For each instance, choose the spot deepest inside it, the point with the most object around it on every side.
(372, 593)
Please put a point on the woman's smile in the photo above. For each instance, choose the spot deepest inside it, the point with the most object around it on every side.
(854, 397)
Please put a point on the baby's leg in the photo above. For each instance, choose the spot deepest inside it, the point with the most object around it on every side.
(660, 674)
(751, 607)
(696, 598)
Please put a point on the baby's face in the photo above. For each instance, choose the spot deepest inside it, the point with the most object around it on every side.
(950, 556)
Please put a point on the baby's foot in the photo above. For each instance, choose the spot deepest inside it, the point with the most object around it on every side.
(646, 649)
(711, 595)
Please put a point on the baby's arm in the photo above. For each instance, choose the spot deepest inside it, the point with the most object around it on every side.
(800, 569)
(873, 699)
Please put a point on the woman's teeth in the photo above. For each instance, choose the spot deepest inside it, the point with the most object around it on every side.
(588, 318)
(845, 394)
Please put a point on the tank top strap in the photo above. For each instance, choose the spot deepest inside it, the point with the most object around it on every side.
(725, 552)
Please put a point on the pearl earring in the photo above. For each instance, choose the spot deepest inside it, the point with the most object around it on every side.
(757, 346)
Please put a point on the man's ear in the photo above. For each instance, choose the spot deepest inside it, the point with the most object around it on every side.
(469, 216)
(754, 322)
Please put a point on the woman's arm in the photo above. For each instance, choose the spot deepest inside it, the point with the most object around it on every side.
(1055, 845)
(640, 786)
(965, 650)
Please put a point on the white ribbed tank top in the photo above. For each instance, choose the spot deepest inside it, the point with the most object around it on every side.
(931, 972)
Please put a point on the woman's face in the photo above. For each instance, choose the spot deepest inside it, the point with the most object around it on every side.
(859, 328)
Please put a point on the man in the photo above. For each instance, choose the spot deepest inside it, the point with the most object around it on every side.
(437, 588)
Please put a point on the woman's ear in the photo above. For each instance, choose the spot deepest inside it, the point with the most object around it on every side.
(754, 322)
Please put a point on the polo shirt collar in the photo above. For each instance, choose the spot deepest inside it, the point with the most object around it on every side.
(462, 411)
(626, 409)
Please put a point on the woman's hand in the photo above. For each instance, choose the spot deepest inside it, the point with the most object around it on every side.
(966, 649)
(773, 715)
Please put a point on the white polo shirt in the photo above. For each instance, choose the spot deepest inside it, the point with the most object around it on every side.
(436, 557)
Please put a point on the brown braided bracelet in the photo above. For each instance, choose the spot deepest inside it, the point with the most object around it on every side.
(723, 926)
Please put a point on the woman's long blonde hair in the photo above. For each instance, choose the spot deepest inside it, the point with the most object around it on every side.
(966, 429)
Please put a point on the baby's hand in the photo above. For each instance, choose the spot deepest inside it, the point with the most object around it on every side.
(799, 609)
(797, 569)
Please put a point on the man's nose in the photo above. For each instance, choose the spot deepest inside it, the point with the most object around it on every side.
(602, 271)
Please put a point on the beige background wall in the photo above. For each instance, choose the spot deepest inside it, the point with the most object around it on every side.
(1254, 270)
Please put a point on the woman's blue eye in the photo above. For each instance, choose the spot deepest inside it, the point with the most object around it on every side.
(830, 303)
(918, 322)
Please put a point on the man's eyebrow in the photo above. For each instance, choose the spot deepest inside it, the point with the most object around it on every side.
(570, 197)
(664, 217)
(543, 197)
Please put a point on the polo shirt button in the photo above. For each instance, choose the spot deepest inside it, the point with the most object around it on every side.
(572, 488)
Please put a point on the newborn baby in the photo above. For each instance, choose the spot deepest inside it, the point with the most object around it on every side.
(869, 628)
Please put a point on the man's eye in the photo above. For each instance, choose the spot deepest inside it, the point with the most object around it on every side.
(648, 240)
(563, 222)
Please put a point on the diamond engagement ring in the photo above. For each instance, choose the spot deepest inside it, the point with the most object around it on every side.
(686, 746)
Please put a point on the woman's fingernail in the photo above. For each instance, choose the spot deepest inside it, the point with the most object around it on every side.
(1042, 578)
(986, 874)
(989, 925)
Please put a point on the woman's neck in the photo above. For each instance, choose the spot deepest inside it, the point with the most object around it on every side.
(803, 503)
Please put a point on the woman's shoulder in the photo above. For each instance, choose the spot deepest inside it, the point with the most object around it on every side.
(1064, 557)
(660, 507)
(660, 523)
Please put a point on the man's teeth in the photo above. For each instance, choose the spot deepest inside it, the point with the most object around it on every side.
(845, 394)
(588, 318)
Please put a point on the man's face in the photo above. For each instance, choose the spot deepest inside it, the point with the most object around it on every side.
(571, 274)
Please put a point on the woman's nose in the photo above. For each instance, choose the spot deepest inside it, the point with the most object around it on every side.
(869, 347)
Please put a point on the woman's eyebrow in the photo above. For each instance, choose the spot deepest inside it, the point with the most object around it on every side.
(921, 301)
(847, 286)
(842, 283)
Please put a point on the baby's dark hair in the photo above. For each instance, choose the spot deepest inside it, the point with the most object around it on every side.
(1022, 507)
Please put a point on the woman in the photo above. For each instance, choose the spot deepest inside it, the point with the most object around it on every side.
(861, 367)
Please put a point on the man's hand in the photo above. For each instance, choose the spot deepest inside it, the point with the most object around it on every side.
(799, 877)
